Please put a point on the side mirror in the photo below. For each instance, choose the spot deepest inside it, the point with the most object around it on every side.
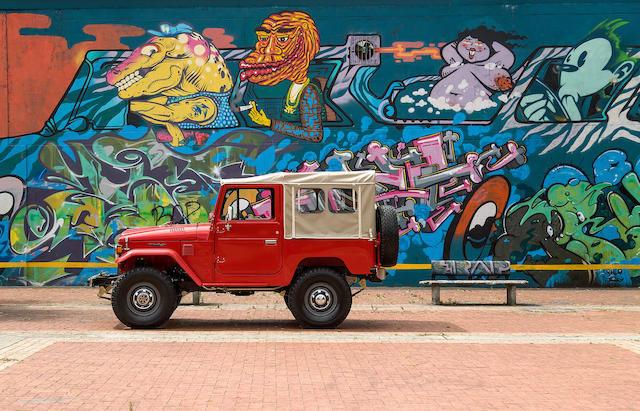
(212, 217)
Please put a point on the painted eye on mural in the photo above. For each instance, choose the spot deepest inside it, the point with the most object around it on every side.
(550, 231)
(581, 217)
(283, 39)
(149, 50)
(582, 58)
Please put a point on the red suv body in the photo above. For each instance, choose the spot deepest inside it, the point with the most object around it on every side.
(306, 235)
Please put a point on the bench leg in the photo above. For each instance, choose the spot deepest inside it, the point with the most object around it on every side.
(435, 294)
(511, 294)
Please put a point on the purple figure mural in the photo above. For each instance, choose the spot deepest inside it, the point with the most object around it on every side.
(477, 67)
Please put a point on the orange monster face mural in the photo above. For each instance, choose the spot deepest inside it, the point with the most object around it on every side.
(287, 42)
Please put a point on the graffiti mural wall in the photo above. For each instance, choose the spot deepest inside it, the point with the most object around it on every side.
(498, 133)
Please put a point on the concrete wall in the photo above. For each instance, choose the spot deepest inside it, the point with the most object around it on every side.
(499, 132)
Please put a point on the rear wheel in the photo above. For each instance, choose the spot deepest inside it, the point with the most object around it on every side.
(319, 298)
(143, 297)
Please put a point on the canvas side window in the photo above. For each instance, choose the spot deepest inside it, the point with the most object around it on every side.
(247, 204)
(310, 200)
(342, 200)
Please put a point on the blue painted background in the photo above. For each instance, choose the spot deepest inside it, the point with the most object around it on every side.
(523, 149)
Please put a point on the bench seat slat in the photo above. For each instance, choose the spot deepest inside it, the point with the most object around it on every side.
(475, 282)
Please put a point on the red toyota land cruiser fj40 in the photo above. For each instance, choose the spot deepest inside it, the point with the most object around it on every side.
(305, 235)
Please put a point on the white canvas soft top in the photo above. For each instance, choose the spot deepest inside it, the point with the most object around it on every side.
(325, 224)
(321, 177)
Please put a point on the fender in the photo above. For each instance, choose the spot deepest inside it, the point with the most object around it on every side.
(145, 252)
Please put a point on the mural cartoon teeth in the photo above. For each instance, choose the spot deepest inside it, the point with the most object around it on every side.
(176, 79)
(278, 72)
(286, 44)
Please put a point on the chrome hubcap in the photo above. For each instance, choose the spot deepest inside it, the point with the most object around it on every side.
(143, 298)
(320, 298)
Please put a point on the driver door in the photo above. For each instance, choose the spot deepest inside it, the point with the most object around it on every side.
(248, 239)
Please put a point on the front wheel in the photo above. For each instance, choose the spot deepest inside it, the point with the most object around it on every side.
(320, 298)
(143, 297)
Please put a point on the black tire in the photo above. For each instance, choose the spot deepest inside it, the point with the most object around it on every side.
(387, 226)
(143, 297)
(286, 300)
(319, 298)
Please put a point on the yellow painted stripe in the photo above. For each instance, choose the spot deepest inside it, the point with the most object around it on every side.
(536, 267)
(58, 265)
(543, 267)
(530, 267)
(410, 267)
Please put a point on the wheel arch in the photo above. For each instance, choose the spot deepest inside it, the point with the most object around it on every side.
(158, 258)
(335, 263)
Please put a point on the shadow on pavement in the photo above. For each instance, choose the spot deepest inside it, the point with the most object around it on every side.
(290, 325)
(472, 304)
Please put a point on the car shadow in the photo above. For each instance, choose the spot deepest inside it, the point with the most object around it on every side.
(357, 325)
(472, 304)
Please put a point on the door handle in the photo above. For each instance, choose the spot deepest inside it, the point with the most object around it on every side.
(270, 242)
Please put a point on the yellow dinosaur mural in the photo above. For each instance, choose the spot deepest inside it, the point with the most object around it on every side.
(176, 79)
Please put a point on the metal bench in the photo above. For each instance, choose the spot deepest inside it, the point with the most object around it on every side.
(436, 284)
(472, 269)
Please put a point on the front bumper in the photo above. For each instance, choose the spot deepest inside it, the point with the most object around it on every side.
(102, 279)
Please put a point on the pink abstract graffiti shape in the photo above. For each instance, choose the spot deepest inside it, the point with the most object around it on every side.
(466, 186)
(309, 167)
(513, 154)
(412, 225)
(396, 179)
(263, 208)
(412, 193)
(441, 214)
(431, 148)
(376, 151)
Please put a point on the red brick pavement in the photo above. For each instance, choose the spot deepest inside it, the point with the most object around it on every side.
(372, 295)
(318, 374)
(191, 319)
(150, 376)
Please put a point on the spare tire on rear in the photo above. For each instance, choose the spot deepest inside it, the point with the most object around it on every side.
(387, 226)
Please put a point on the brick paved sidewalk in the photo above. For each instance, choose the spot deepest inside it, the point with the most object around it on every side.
(372, 295)
(63, 348)
(151, 376)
